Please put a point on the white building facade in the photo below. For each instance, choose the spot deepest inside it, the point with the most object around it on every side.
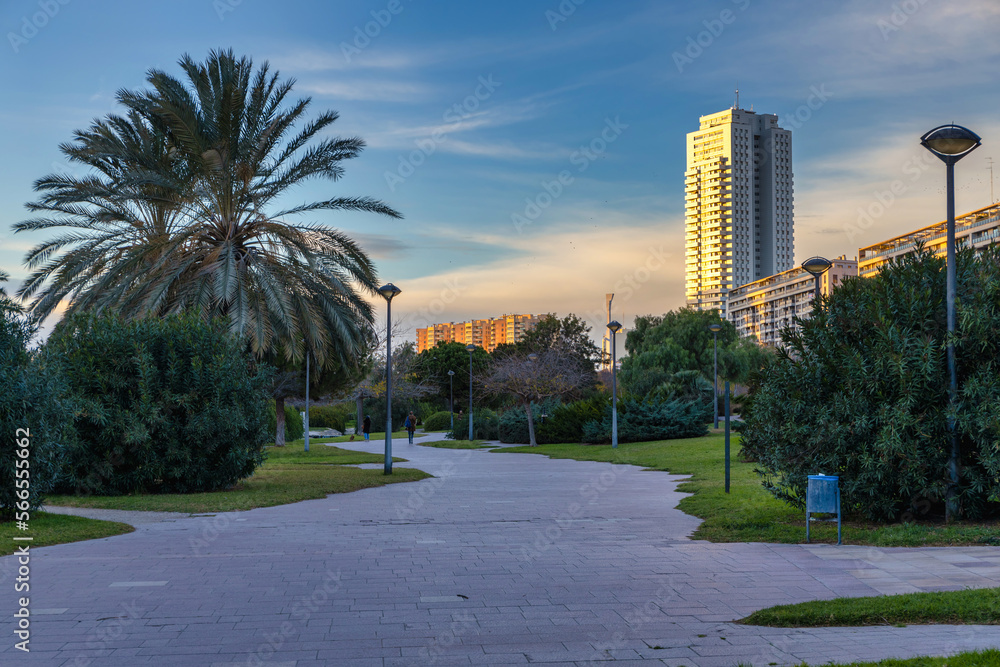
(738, 204)
(764, 307)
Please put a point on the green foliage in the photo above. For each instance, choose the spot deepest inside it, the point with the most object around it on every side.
(33, 416)
(660, 346)
(184, 206)
(566, 422)
(439, 421)
(862, 392)
(485, 426)
(330, 416)
(165, 405)
(513, 423)
(433, 364)
(294, 428)
(570, 335)
(639, 421)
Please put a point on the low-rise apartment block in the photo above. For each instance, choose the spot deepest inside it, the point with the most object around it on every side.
(977, 229)
(487, 333)
(762, 308)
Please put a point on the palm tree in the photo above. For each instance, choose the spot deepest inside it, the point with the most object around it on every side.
(179, 212)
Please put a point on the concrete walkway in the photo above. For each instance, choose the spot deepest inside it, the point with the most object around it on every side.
(502, 559)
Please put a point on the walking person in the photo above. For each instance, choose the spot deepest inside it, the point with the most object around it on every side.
(366, 427)
(410, 425)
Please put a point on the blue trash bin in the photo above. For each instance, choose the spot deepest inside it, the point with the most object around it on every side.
(823, 497)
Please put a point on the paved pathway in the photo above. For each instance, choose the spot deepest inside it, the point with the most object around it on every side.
(503, 559)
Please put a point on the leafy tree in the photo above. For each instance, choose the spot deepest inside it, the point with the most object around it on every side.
(861, 391)
(571, 335)
(182, 210)
(433, 364)
(33, 415)
(660, 346)
(167, 405)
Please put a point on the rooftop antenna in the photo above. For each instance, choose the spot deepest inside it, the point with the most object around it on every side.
(737, 95)
(990, 162)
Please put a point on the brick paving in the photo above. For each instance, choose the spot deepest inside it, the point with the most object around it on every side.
(502, 559)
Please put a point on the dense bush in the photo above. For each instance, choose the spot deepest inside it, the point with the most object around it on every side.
(33, 399)
(861, 391)
(485, 426)
(439, 421)
(330, 416)
(566, 422)
(168, 405)
(294, 427)
(513, 423)
(639, 421)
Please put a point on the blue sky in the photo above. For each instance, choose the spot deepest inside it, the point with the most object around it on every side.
(536, 148)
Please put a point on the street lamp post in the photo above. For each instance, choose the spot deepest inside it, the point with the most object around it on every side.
(817, 266)
(951, 143)
(388, 291)
(451, 399)
(470, 348)
(307, 400)
(715, 328)
(614, 326)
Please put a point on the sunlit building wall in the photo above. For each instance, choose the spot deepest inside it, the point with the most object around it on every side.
(487, 333)
(738, 206)
(977, 229)
(762, 308)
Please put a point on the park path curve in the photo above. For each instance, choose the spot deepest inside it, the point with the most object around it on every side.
(502, 559)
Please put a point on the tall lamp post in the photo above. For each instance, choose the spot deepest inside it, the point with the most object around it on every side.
(715, 328)
(614, 326)
(951, 143)
(470, 348)
(451, 399)
(388, 291)
(307, 400)
(817, 266)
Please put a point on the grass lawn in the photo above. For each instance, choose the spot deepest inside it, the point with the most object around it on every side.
(749, 513)
(289, 475)
(975, 607)
(48, 529)
(988, 658)
(456, 444)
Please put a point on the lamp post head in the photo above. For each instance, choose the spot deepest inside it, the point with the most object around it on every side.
(388, 291)
(532, 357)
(817, 265)
(615, 326)
(451, 372)
(469, 348)
(715, 327)
(950, 142)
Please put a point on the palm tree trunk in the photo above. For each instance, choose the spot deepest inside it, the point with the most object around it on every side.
(279, 417)
(531, 425)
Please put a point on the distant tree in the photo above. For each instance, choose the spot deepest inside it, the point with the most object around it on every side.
(552, 372)
(433, 364)
(571, 335)
(660, 346)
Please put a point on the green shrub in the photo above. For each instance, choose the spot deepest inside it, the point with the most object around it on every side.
(566, 422)
(294, 428)
(513, 423)
(485, 426)
(439, 421)
(861, 391)
(168, 405)
(34, 399)
(641, 421)
(330, 416)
